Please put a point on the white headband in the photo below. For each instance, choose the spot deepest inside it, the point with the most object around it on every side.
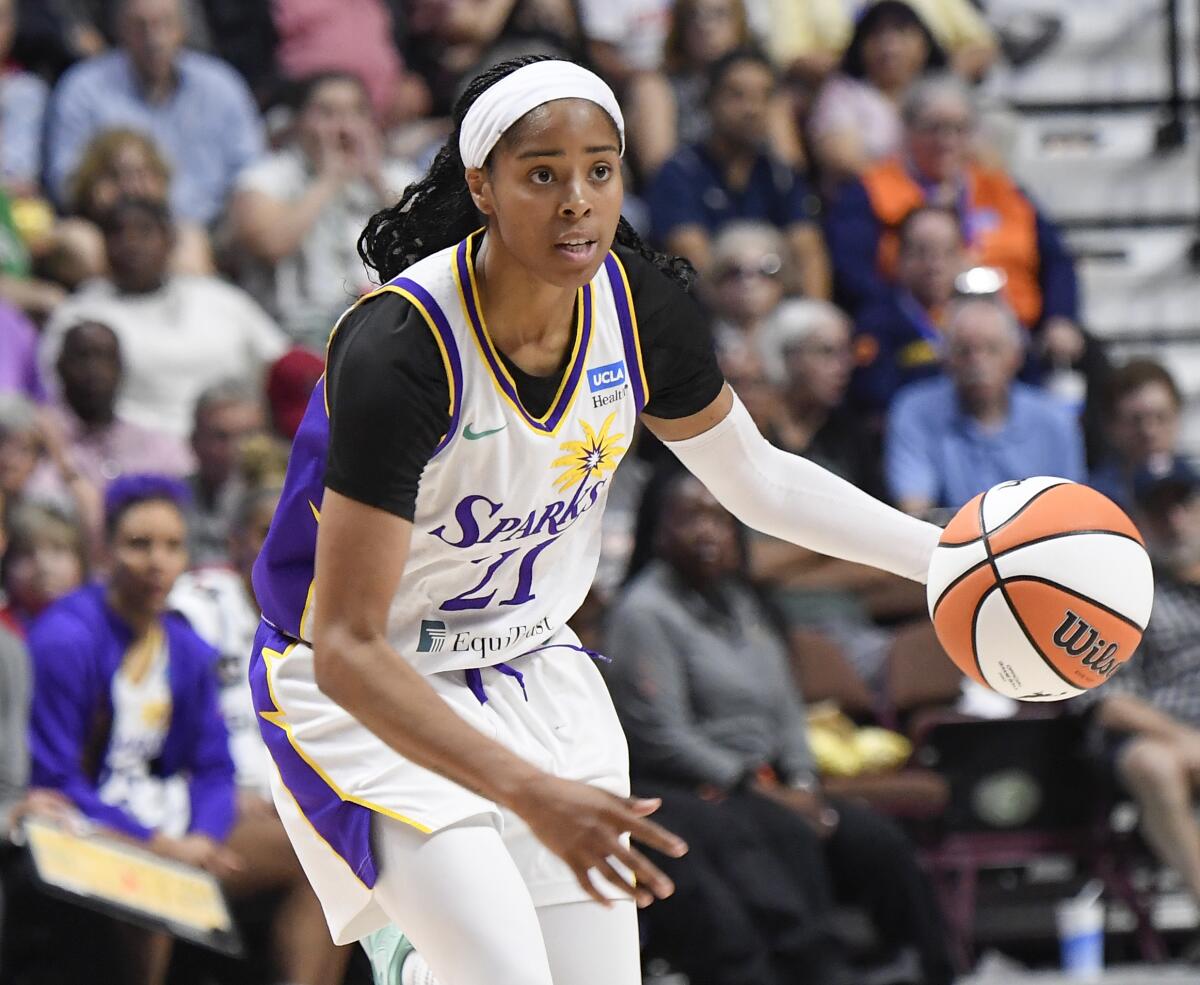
(500, 106)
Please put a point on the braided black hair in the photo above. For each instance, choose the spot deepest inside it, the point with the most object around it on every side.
(437, 211)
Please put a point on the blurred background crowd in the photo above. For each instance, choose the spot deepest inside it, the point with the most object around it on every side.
(942, 243)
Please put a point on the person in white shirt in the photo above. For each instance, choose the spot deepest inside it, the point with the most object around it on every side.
(297, 213)
(179, 334)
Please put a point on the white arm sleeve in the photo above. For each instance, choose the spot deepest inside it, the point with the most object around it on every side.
(791, 498)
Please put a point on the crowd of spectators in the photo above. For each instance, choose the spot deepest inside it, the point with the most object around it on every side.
(182, 186)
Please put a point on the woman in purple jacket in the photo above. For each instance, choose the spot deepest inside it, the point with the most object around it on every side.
(125, 720)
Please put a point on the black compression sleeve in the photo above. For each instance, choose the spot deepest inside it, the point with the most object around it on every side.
(677, 343)
(388, 404)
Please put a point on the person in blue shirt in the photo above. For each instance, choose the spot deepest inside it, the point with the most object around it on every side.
(732, 176)
(959, 434)
(1142, 411)
(898, 338)
(198, 109)
(22, 108)
(124, 719)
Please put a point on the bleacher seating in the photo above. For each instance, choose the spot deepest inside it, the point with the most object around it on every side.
(1089, 51)
(1113, 155)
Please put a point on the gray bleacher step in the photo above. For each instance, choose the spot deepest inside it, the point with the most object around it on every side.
(1085, 167)
(1092, 50)
(1137, 281)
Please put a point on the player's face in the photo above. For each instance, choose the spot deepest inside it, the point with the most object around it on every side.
(148, 553)
(552, 190)
(1145, 424)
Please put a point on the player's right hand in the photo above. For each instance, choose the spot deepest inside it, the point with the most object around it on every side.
(585, 827)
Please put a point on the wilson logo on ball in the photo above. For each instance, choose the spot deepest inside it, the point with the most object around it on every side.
(1040, 589)
(1079, 639)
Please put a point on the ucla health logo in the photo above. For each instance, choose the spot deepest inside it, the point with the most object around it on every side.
(610, 378)
(433, 636)
(606, 377)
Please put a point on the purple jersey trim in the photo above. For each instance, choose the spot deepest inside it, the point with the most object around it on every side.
(633, 358)
(550, 423)
(344, 826)
(283, 572)
(437, 321)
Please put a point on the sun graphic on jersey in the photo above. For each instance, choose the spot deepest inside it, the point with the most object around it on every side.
(597, 454)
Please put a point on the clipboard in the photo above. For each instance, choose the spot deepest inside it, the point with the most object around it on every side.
(131, 884)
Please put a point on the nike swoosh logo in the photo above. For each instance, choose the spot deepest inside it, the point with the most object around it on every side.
(476, 435)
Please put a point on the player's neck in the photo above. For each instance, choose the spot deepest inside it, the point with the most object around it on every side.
(519, 308)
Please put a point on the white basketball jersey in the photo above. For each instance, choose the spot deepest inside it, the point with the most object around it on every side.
(506, 531)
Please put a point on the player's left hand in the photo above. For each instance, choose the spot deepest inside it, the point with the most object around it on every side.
(585, 827)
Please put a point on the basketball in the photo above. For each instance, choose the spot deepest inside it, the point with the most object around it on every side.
(1040, 589)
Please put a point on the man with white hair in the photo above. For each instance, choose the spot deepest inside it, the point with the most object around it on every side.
(958, 434)
(1001, 225)
(196, 108)
(746, 282)
(810, 343)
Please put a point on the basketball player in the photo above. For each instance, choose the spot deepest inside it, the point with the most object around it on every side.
(448, 757)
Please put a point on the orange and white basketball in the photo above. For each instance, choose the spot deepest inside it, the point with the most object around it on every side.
(1040, 589)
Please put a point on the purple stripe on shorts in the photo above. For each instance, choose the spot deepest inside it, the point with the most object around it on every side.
(344, 826)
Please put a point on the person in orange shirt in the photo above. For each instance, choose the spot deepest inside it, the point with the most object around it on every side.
(1002, 227)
